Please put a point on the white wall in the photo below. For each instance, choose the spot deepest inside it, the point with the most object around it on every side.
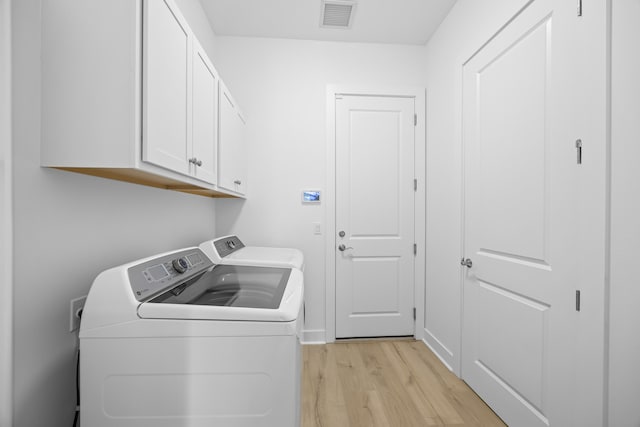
(69, 227)
(468, 25)
(6, 231)
(624, 355)
(281, 86)
(199, 23)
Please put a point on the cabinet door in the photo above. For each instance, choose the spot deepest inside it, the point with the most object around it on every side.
(240, 154)
(205, 117)
(166, 86)
(232, 156)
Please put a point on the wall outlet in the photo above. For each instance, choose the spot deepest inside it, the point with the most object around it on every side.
(76, 306)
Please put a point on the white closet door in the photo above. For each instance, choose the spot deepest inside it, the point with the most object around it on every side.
(522, 229)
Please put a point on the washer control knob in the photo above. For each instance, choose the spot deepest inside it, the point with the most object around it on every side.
(231, 244)
(180, 264)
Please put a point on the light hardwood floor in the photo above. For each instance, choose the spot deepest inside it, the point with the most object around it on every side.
(385, 383)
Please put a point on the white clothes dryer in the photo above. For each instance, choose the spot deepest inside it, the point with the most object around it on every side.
(231, 251)
(174, 341)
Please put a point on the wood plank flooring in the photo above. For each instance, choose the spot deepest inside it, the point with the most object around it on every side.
(385, 383)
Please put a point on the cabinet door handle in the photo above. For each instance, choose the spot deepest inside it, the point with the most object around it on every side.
(195, 161)
(237, 181)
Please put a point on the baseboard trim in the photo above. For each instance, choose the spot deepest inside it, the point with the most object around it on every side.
(439, 349)
(314, 336)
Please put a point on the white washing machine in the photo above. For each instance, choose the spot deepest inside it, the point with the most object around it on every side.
(231, 251)
(174, 340)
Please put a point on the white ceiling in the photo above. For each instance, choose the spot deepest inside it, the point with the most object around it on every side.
(374, 21)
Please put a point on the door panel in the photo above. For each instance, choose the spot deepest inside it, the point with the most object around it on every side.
(167, 87)
(374, 157)
(512, 351)
(205, 116)
(374, 207)
(511, 107)
(519, 210)
(232, 172)
(375, 270)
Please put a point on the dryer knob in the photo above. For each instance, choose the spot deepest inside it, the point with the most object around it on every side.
(231, 244)
(180, 264)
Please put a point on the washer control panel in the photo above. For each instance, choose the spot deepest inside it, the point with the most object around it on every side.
(155, 276)
(227, 245)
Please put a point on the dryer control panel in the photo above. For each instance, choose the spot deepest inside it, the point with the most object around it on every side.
(227, 245)
(153, 277)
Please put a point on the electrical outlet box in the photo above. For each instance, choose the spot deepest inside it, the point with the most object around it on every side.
(76, 306)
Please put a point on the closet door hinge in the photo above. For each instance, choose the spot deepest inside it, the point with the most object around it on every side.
(415, 120)
(579, 151)
(414, 313)
(415, 184)
(579, 7)
(577, 300)
(415, 249)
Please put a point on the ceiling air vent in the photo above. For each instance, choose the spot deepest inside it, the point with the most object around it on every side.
(337, 14)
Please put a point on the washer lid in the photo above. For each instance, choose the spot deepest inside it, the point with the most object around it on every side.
(256, 255)
(229, 292)
(230, 250)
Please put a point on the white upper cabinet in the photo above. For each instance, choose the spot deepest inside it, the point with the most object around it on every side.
(232, 173)
(129, 93)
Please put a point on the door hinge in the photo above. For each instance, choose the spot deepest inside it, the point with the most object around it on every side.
(415, 184)
(414, 313)
(579, 150)
(579, 7)
(415, 120)
(415, 249)
(577, 300)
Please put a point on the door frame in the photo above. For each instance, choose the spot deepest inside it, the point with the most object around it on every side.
(6, 220)
(419, 94)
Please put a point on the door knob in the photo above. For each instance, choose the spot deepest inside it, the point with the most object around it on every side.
(466, 262)
(343, 248)
(341, 233)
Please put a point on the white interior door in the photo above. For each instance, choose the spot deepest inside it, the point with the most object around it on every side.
(374, 216)
(521, 203)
